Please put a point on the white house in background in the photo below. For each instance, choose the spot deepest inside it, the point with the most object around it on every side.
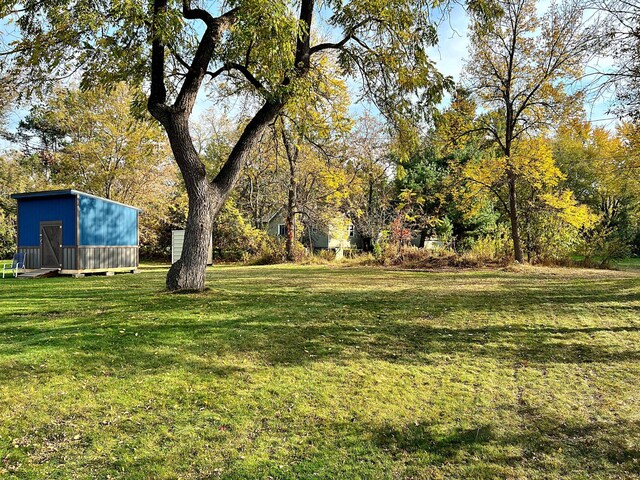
(177, 240)
(340, 236)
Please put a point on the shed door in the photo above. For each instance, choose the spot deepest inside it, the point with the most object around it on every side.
(51, 244)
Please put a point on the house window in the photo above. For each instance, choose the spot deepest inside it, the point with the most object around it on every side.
(282, 229)
(352, 231)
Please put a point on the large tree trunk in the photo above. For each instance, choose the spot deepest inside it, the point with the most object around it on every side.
(367, 244)
(292, 200)
(511, 179)
(188, 273)
(290, 221)
(206, 198)
(513, 216)
(310, 235)
(423, 237)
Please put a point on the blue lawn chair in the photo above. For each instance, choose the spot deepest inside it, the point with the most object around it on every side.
(16, 264)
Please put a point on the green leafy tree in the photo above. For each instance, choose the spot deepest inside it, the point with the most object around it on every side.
(520, 68)
(550, 216)
(14, 177)
(7, 97)
(434, 172)
(601, 168)
(421, 189)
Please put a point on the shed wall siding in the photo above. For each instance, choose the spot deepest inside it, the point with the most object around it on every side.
(32, 211)
(104, 258)
(107, 232)
(69, 258)
(177, 241)
(89, 258)
(272, 224)
(107, 224)
(345, 242)
(319, 239)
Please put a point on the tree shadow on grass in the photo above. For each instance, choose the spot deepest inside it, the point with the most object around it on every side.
(287, 322)
(547, 446)
(413, 438)
(292, 320)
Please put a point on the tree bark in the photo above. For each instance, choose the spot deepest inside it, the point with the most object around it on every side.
(292, 188)
(290, 221)
(423, 237)
(310, 234)
(513, 216)
(206, 198)
(188, 273)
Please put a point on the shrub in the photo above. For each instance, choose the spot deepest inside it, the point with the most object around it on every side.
(235, 239)
(7, 236)
(600, 246)
(378, 251)
(491, 248)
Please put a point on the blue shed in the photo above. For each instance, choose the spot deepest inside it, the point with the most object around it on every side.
(76, 232)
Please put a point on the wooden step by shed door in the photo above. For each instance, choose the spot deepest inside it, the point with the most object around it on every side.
(51, 244)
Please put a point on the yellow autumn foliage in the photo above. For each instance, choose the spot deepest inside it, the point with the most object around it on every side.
(569, 210)
(550, 216)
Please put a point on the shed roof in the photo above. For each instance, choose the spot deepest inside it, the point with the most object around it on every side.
(64, 193)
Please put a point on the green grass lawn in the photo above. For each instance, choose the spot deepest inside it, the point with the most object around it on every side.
(322, 372)
(628, 263)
